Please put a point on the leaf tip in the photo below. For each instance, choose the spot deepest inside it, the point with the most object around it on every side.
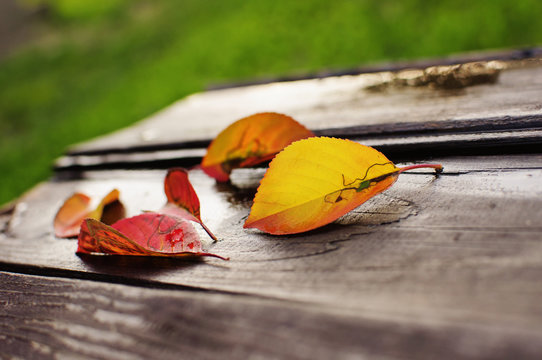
(215, 171)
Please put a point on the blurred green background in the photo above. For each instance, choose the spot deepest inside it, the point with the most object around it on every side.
(89, 67)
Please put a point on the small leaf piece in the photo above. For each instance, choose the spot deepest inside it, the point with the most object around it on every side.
(183, 202)
(179, 191)
(249, 141)
(149, 234)
(315, 181)
(69, 217)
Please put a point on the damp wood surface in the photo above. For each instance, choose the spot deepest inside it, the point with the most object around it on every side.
(445, 266)
(462, 250)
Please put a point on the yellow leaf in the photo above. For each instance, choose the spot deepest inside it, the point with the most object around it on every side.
(110, 198)
(315, 181)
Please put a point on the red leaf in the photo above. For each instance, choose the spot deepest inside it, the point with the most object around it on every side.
(159, 232)
(179, 191)
(182, 199)
(149, 234)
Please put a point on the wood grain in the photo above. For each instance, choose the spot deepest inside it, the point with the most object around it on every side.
(61, 318)
(463, 248)
(403, 121)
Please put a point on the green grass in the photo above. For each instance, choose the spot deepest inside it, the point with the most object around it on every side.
(102, 65)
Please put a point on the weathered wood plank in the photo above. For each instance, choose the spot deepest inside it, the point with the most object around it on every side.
(465, 247)
(401, 141)
(61, 318)
(455, 128)
(507, 55)
(334, 102)
(406, 129)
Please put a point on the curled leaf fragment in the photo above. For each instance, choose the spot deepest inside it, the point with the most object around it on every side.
(69, 217)
(148, 234)
(182, 200)
(249, 141)
(315, 181)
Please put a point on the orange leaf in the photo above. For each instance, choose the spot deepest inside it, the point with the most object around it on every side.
(315, 181)
(149, 234)
(250, 141)
(183, 202)
(69, 217)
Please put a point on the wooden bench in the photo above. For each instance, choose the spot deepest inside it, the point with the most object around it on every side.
(437, 267)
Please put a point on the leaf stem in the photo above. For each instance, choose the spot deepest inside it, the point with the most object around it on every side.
(438, 167)
(208, 231)
(213, 255)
